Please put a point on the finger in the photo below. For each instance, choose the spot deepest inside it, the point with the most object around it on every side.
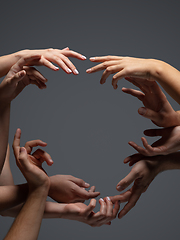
(150, 114)
(134, 93)
(112, 67)
(140, 149)
(33, 72)
(17, 77)
(25, 61)
(70, 53)
(69, 65)
(132, 202)
(16, 143)
(92, 189)
(48, 64)
(125, 182)
(101, 66)
(80, 182)
(123, 197)
(116, 209)
(34, 143)
(154, 132)
(104, 58)
(135, 157)
(82, 193)
(90, 207)
(22, 161)
(109, 212)
(42, 156)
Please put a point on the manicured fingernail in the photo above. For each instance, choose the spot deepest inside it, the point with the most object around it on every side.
(50, 160)
(56, 68)
(87, 184)
(88, 70)
(142, 111)
(119, 188)
(92, 58)
(68, 70)
(101, 199)
(83, 57)
(76, 71)
(108, 198)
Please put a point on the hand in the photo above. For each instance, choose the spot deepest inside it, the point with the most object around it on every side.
(124, 66)
(85, 214)
(19, 77)
(142, 174)
(66, 189)
(168, 143)
(59, 57)
(31, 165)
(156, 106)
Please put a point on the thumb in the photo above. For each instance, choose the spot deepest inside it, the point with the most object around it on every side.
(23, 161)
(17, 77)
(148, 113)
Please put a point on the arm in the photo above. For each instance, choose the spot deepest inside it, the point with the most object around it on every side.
(48, 57)
(141, 175)
(137, 68)
(27, 223)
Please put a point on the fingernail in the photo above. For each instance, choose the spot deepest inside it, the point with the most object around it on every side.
(22, 150)
(50, 160)
(108, 198)
(83, 57)
(142, 111)
(68, 70)
(88, 70)
(101, 199)
(76, 71)
(92, 58)
(119, 188)
(56, 68)
(87, 184)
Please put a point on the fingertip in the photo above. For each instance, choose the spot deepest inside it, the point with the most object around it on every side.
(92, 59)
(49, 162)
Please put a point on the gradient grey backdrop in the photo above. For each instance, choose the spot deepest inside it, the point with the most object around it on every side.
(87, 126)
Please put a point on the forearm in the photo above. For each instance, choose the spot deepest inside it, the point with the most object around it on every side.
(7, 61)
(4, 132)
(167, 76)
(28, 222)
(169, 162)
(11, 196)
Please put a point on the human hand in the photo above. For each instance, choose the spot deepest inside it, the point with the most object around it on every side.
(31, 165)
(19, 77)
(123, 67)
(156, 106)
(168, 143)
(66, 189)
(57, 56)
(141, 175)
(85, 214)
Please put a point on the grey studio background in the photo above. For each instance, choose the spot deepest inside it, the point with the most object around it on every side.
(87, 126)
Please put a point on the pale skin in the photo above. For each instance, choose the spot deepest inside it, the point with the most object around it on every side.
(49, 57)
(141, 175)
(20, 74)
(138, 68)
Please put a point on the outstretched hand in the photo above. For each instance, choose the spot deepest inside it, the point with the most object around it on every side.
(141, 175)
(83, 213)
(168, 143)
(68, 189)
